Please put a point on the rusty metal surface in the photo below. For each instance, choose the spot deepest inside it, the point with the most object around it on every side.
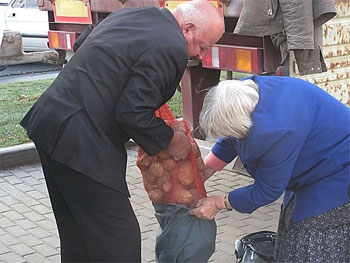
(336, 52)
(194, 84)
(109, 5)
(105, 6)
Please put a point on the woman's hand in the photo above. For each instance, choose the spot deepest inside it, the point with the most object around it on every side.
(208, 207)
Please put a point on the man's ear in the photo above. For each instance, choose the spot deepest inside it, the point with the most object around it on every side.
(188, 28)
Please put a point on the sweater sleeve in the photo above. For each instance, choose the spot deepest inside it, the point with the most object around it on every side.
(225, 150)
(272, 173)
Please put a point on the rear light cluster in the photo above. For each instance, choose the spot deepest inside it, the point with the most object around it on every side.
(234, 58)
(62, 39)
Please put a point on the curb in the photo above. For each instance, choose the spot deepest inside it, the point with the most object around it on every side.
(25, 154)
(18, 155)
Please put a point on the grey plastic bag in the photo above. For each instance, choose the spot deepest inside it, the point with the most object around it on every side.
(183, 237)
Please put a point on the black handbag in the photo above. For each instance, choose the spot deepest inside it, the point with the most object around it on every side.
(256, 247)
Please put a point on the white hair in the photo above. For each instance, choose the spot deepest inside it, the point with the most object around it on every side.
(227, 109)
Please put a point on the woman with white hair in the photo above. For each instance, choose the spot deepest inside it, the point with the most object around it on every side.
(293, 139)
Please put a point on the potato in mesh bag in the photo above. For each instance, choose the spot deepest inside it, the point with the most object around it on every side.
(167, 180)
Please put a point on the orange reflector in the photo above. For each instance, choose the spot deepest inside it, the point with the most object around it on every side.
(208, 60)
(53, 39)
(243, 60)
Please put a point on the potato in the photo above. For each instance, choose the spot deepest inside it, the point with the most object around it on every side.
(185, 173)
(149, 177)
(169, 164)
(165, 177)
(184, 197)
(146, 159)
(163, 155)
(149, 186)
(167, 187)
(155, 195)
(156, 169)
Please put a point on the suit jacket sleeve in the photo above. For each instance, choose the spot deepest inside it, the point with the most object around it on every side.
(153, 81)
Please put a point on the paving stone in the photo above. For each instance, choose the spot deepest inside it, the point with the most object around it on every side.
(52, 241)
(9, 200)
(54, 259)
(32, 181)
(31, 240)
(12, 215)
(23, 187)
(29, 201)
(7, 239)
(36, 195)
(4, 173)
(16, 231)
(4, 249)
(20, 208)
(11, 257)
(39, 232)
(4, 208)
(46, 250)
(48, 225)
(42, 209)
(21, 249)
(2, 193)
(34, 216)
(5, 222)
(37, 258)
(7, 187)
(19, 172)
(26, 223)
(13, 180)
(29, 168)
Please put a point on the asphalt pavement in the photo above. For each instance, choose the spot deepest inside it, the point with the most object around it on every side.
(28, 72)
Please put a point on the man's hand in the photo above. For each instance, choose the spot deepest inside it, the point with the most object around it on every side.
(179, 146)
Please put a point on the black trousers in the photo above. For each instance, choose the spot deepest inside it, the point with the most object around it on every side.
(95, 223)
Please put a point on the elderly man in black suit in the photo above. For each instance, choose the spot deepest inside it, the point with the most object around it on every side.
(128, 66)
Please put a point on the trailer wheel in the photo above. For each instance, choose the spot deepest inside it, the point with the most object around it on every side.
(61, 57)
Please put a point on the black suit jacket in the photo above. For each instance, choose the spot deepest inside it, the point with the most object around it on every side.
(128, 66)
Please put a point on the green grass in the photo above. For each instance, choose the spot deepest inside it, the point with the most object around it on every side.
(175, 104)
(17, 98)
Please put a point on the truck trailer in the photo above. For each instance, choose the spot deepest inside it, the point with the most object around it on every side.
(234, 54)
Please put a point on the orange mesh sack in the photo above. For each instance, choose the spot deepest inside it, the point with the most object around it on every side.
(167, 180)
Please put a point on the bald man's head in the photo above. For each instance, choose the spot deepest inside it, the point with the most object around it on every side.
(202, 25)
